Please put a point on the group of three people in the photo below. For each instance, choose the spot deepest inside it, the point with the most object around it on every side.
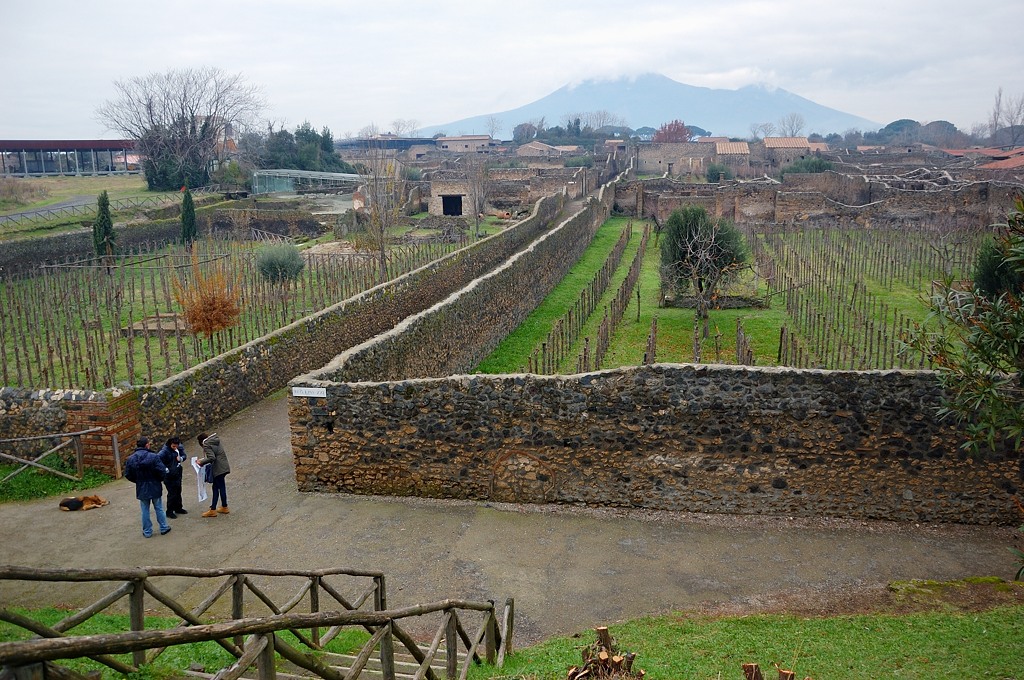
(151, 471)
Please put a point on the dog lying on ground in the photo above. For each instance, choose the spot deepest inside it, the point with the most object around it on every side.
(83, 503)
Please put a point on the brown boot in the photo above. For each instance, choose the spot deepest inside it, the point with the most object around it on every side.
(223, 510)
(210, 513)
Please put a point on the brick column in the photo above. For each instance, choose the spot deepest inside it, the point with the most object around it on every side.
(117, 415)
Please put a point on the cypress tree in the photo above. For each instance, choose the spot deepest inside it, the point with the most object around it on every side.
(188, 218)
(103, 228)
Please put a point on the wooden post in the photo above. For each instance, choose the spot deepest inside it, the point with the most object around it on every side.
(451, 645)
(79, 459)
(238, 602)
(387, 654)
(117, 457)
(314, 607)
(490, 637)
(137, 615)
(265, 663)
(380, 599)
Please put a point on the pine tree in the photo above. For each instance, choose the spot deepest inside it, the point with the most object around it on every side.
(188, 218)
(103, 236)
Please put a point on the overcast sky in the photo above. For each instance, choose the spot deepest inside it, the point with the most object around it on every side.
(345, 64)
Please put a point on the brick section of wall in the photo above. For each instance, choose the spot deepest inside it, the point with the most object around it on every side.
(674, 437)
(30, 413)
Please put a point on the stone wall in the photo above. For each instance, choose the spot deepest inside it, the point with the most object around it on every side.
(31, 413)
(453, 336)
(674, 437)
(214, 390)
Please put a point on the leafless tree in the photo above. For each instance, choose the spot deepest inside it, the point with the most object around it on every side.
(478, 184)
(494, 126)
(403, 127)
(368, 131)
(761, 130)
(596, 120)
(1006, 121)
(180, 119)
(791, 125)
(384, 192)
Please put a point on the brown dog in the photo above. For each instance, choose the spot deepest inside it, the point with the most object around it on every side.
(83, 503)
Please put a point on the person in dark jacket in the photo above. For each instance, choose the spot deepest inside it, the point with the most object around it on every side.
(172, 455)
(145, 469)
(216, 457)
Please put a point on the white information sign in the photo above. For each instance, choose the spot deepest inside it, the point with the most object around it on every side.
(309, 391)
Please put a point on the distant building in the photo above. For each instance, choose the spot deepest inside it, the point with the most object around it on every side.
(466, 144)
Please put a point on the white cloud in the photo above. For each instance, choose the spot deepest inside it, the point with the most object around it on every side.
(345, 64)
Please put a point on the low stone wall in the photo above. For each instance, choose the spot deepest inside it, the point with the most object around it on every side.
(214, 390)
(453, 336)
(675, 437)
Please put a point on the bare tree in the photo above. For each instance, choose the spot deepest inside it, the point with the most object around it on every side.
(494, 126)
(368, 131)
(1006, 122)
(596, 120)
(761, 130)
(405, 127)
(181, 119)
(383, 191)
(791, 125)
(478, 183)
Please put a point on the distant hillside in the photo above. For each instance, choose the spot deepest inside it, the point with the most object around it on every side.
(652, 99)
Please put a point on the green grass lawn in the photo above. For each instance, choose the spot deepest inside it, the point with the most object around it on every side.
(512, 354)
(35, 483)
(934, 645)
(47, 191)
(925, 645)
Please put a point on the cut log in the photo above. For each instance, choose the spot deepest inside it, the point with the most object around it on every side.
(786, 675)
(604, 637)
(751, 671)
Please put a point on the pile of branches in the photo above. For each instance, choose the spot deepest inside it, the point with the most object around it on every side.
(602, 660)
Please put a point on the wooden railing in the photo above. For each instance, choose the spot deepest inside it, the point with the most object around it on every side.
(74, 440)
(314, 628)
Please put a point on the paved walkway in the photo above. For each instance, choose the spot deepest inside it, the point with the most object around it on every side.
(568, 569)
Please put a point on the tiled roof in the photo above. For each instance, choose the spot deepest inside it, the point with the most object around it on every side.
(818, 146)
(786, 143)
(732, 148)
(1011, 163)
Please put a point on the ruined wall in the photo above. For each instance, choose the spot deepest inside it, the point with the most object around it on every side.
(685, 158)
(453, 336)
(31, 413)
(675, 437)
(214, 390)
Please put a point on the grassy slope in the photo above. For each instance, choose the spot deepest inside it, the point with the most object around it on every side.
(57, 189)
(923, 645)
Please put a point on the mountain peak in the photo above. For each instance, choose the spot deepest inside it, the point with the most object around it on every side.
(651, 99)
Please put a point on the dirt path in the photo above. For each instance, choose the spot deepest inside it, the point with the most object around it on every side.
(568, 568)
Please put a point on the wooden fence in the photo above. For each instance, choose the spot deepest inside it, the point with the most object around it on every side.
(313, 628)
(547, 357)
(74, 440)
(830, 280)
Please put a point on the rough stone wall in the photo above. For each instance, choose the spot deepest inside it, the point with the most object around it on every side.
(212, 391)
(674, 437)
(456, 334)
(688, 157)
(31, 413)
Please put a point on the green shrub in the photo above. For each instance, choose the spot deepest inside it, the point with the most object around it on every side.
(579, 162)
(719, 171)
(806, 165)
(993, 273)
(412, 174)
(280, 263)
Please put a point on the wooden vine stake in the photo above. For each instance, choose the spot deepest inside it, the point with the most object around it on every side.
(602, 660)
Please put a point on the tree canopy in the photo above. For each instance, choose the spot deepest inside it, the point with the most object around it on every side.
(672, 131)
(975, 340)
(181, 120)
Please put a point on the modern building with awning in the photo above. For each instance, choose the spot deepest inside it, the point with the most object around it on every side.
(33, 158)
